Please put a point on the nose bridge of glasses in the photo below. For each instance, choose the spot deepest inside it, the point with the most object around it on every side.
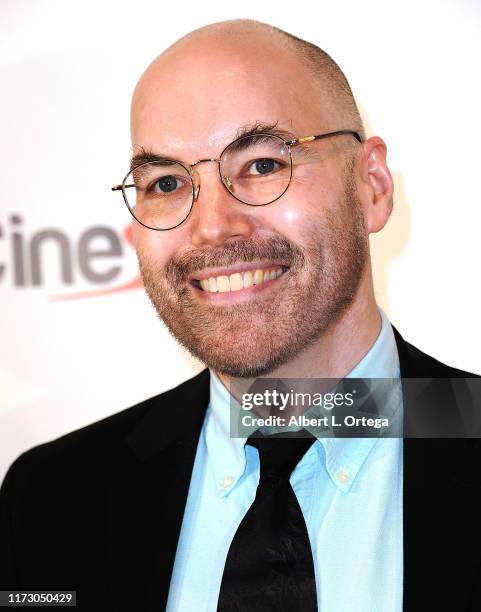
(196, 175)
(203, 161)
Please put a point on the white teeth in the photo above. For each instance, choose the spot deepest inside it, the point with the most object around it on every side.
(237, 281)
(248, 279)
(223, 284)
(258, 277)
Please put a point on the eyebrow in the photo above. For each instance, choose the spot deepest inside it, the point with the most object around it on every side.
(265, 128)
(145, 155)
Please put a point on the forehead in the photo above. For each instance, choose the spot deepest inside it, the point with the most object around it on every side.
(193, 100)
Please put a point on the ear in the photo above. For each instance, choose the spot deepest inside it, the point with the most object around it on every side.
(376, 187)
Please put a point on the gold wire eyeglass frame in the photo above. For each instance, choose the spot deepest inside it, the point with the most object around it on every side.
(225, 179)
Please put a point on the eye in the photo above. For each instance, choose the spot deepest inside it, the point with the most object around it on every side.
(166, 184)
(170, 184)
(265, 165)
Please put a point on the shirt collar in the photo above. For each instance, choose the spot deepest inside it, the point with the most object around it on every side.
(226, 454)
(343, 456)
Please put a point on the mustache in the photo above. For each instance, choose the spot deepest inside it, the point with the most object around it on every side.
(181, 266)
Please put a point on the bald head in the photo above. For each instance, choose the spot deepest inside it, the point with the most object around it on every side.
(220, 58)
(325, 72)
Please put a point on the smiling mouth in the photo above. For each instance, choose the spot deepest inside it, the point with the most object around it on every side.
(239, 280)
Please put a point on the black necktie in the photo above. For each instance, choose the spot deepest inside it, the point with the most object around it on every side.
(269, 566)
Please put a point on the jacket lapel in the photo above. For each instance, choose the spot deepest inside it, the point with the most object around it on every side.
(441, 505)
(146, 498)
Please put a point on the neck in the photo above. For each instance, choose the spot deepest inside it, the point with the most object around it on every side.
(342, 346)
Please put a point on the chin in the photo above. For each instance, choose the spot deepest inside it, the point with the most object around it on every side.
(242, 361)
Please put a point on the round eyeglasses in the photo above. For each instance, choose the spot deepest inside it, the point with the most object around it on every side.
(255, 169)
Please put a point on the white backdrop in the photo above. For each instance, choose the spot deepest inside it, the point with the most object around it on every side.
(78, 340)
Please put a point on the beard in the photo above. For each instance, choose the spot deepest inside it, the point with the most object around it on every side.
(253, 338)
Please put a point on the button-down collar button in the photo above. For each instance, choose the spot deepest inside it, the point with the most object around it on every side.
(226, 482)
(342, 477)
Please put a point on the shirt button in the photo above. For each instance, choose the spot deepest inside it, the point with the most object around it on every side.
(342, 477)
(226, 482)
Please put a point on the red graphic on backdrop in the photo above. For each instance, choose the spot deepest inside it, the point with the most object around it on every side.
(135, 283)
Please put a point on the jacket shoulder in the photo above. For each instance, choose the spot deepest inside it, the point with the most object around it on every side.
(417, 364)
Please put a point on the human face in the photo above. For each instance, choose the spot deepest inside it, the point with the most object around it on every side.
(314, 234)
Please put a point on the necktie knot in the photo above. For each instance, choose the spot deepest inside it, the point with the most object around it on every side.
(278, 456)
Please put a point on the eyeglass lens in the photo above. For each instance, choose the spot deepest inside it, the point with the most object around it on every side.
(255, 169)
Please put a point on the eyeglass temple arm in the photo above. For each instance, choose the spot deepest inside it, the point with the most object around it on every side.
(321, 136)
(119, 187)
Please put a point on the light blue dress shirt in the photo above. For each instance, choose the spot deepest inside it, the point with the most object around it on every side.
(350, 492)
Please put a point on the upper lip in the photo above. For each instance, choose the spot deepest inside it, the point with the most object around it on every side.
(240, 267)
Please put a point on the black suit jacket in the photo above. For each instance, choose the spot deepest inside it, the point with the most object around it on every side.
(99, 510)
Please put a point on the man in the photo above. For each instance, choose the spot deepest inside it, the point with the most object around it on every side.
(254, 190)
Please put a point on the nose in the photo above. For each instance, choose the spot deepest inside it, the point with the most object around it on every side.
(217, 217)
